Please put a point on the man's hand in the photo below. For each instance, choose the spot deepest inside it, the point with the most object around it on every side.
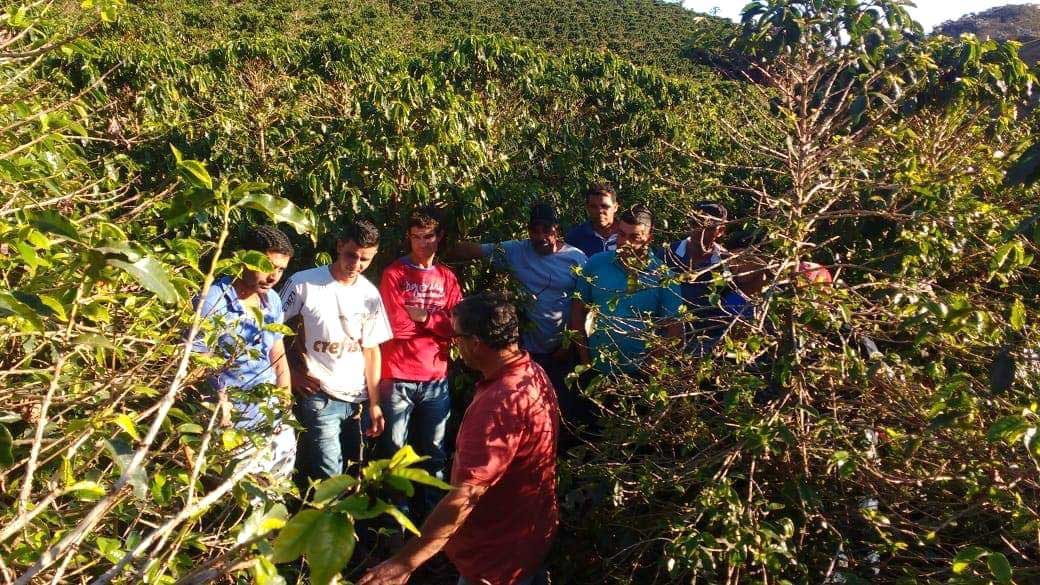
(303, 383)
(224, 405)
(389, 572)
(418, 314)
(375, 416)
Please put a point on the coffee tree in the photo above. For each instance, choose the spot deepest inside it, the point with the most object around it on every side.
(881, 429)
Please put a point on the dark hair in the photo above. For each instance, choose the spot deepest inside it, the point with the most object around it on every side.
(543, 213)
(638, 215)
(601, 189)
(424, 217)
(712, 209)
(267, 238)
(362, 232)
(490, 318)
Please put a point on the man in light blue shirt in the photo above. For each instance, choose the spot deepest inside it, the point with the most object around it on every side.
(625, 286)
(546, 267)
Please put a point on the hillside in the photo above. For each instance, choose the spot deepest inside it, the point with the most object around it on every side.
(1019, 22)
(646, 32)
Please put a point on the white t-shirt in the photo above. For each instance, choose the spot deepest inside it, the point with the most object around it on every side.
(339, 320)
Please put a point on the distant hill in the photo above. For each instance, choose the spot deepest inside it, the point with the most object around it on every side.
(1019, 22)
(646, 32)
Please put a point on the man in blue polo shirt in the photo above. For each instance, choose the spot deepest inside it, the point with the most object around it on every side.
(254, 352)
(626, 289)
(599, 234)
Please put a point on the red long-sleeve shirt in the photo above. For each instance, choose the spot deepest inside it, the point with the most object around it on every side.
(419, 351)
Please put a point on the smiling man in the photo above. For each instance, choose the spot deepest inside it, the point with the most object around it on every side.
(335, 362)
(545, 266)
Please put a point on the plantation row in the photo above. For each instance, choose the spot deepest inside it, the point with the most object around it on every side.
(132, 157)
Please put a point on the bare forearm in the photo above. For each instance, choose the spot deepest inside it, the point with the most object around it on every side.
(280, 362)
(373, 372)
(577, 325)
(445, 520)
(465, 251)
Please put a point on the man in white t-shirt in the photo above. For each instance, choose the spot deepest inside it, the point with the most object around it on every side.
(335, 360)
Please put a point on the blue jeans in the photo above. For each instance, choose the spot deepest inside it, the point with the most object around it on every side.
(331, 439)
(416, 414)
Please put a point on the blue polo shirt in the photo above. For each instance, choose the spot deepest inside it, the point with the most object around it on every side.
(240, 338)
(550, 279)
(585, 238)
(627, 309)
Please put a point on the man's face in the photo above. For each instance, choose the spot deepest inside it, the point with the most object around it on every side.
(353, 259)
(466, 345)
(601, 209)
(544, 237)
(265, 281)
(636, 237)
(424, 241)
(705, 231)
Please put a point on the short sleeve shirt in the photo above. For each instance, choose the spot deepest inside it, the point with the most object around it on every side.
(239, 336)
(339, 321)
(550, 279)
(507, 442)
(627, 308)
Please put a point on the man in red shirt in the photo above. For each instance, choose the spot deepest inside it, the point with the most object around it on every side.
(419, 296)
(499, 519)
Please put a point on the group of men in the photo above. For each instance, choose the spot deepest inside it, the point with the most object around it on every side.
(373, 361)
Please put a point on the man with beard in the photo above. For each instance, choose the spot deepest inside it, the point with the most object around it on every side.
(336, 364)
(545, 266)
(498, 521)
(625, 288)
(255, 353)
(599, 234)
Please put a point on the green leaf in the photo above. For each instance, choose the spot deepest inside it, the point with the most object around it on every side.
(402, 519)
(151, 274)
(289, 544)
(999, 567)
(420, 476)
(280, 209)
(255, 260)
(6, 447)
(405, 457)
(195, 173)
(1008, 429)
(87, 490)
(127, 424)
(333, 487)
(121, 453)
(329, 546)
(1018, 315)
(1026, 169)
(966, 557)
(53, 222)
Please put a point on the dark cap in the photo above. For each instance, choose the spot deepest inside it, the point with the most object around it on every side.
(638, 214)
(708, 212)
(543, 213)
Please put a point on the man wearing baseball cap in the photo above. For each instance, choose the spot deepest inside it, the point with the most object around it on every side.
(545, 266)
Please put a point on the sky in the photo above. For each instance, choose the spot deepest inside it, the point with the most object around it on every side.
(928, 12)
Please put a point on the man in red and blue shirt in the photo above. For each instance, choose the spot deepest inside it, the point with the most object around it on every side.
(418, 295)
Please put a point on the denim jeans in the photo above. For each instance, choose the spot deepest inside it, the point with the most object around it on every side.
(416, 414)
(539, 578)
(331, 438)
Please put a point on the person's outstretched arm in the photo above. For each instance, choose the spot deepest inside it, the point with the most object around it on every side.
(444, 521)
(466, 251)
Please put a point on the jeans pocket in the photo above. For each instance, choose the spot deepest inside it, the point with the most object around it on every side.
(309, 407)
